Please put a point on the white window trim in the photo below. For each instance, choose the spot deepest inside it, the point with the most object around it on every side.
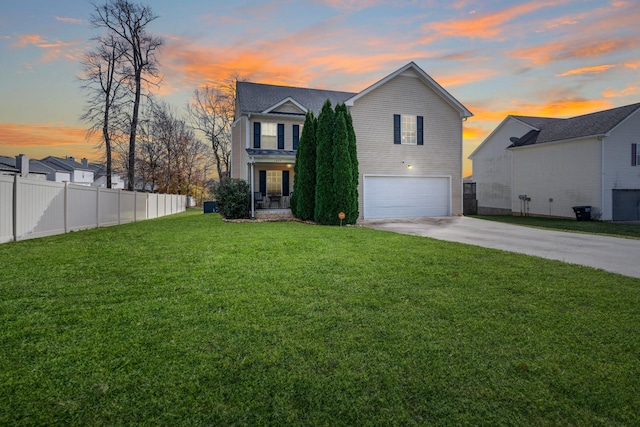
(405, 133)
(266, 137)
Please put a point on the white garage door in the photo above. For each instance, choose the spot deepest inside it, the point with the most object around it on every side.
(403, 197)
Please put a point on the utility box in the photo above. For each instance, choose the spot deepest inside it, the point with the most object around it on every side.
(210, 207)
(583, 213)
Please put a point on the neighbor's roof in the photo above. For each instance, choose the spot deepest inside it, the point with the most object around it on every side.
(61, 164)
(257, 97)
(587, 125)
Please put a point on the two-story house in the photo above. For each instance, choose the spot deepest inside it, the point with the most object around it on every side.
(409, 142)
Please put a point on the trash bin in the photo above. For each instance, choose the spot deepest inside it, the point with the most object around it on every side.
(210, 207)
(583, 213)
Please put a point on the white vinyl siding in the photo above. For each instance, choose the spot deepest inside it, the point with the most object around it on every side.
(441, 154)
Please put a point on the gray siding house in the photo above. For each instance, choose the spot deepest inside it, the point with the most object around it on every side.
(545, 166)
(409, 141)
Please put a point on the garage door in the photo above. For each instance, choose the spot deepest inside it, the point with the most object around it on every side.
(626, 205)
(403, 197)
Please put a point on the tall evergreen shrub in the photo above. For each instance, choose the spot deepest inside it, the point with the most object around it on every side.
(324, 165)
(303, 200)
(342, 175)
(353, 213)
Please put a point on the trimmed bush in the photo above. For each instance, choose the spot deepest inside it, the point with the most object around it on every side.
(233, 196)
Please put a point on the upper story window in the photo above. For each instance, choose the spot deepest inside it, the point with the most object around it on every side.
(635, 155)
(269, 136)
(408, 129)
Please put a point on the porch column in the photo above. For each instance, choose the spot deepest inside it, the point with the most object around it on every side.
(253, 213)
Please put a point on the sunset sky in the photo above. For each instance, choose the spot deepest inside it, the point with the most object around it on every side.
(547, 58)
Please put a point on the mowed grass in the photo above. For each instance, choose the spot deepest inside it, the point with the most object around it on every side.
(187, 320)
(627, 230)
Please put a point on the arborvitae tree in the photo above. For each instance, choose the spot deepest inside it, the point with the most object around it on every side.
(324, 165)
(342, 175)
(303, 200)
(353, 213)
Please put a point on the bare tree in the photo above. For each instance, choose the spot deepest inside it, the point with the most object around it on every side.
(128, 22)
(102, 78)
(211, 111)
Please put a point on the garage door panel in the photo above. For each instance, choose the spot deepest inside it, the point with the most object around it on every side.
(402, 197)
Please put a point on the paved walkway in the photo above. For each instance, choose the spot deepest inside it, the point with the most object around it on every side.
(616, 255)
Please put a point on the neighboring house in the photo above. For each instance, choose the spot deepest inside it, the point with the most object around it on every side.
(545, 166)
(23, 166)
(100, 177)
(68, 170)
(409, 142)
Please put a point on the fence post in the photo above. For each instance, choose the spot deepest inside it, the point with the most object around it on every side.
(15, 208)
(98, 207)
(66, 206)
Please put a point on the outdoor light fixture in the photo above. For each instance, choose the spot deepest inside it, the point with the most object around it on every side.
(409, 167)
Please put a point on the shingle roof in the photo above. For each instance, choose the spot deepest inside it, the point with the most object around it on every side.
(35, 166)
(258, 97)
(593, 124)
(271, 153)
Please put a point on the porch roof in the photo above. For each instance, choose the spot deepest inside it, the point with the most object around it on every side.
(274, 155)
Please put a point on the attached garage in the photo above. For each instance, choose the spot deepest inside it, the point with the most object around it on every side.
(626, 205)
(406, 196)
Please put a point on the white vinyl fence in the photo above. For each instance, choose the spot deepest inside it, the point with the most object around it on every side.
(33, 208)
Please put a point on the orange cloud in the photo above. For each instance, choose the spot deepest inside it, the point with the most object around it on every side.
(597, 69)
(568, 50)
(483, 26)
(631, 90)
(41, 140)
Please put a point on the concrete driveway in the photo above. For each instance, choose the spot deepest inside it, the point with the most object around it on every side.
(612, 254)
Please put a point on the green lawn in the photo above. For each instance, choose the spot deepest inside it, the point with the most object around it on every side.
(186, 320)
(631, 231)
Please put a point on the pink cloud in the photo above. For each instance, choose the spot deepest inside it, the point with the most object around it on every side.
(597, 69)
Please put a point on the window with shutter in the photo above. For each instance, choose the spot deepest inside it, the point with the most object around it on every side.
(635, 156)
(269, 136)
(408, 129)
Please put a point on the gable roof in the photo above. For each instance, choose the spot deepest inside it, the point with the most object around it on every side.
(259, 98)
(68, 165)
(35, 166)
(426, 79)
(588, 125)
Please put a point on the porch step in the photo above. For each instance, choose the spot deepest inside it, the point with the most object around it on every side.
(273, 214)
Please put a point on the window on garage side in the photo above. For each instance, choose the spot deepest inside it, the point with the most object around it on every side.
(408, 129)
(635, 155)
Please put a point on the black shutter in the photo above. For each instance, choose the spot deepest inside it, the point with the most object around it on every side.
(285, 183)
(634, 154)
(396, 129)
(280, 136)
(256, 135)
(420, 123)
(263, 182)
(296, 136)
